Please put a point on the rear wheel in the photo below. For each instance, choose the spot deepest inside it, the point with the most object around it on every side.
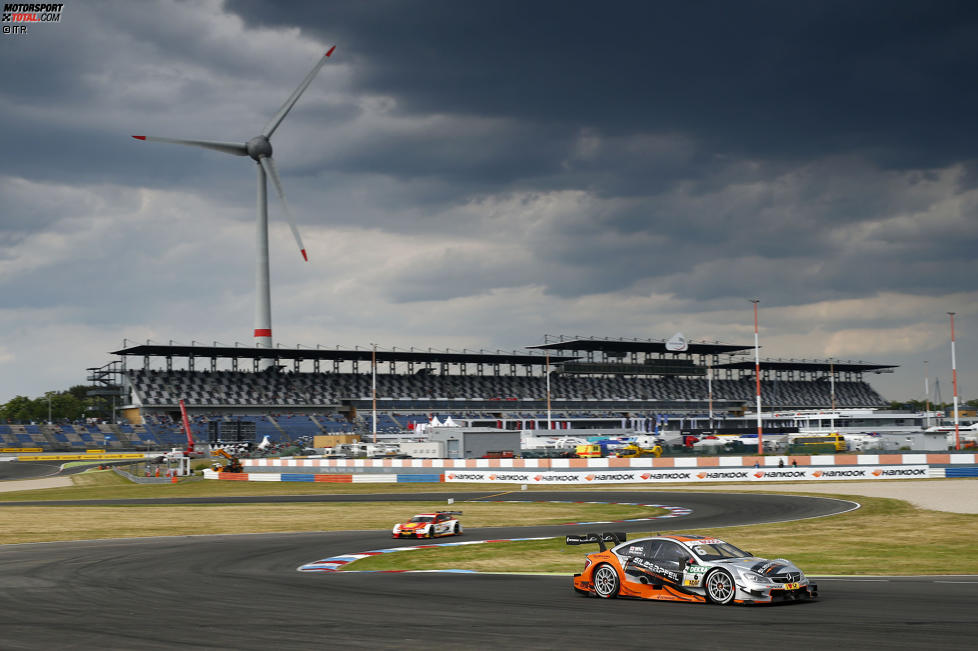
(720, 588)
(606, 581)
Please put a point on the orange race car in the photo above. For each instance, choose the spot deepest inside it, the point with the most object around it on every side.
(429, 525)
(694, 569)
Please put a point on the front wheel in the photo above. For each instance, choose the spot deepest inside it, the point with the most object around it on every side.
(720, 588)
(606, 581)
(458, 529)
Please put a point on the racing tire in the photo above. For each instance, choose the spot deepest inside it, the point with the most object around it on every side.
(431, 531)
(458, 529)
(720, 587)
(605, 581)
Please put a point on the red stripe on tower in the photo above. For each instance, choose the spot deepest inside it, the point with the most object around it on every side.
(263, 332)
(140, 137)
(331, 50)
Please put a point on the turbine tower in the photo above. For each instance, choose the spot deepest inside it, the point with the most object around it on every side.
(259, 149)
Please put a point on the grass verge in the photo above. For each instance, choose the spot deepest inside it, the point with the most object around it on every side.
(50, 523)
(885, 536)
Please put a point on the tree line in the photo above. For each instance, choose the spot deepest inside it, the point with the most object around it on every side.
(72, 404)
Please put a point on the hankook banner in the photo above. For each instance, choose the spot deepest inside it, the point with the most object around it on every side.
(832, 473)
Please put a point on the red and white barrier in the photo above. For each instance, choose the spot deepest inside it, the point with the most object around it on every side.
(614, 463)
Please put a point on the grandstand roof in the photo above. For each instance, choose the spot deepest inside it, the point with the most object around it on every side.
(331, 354)
(638, 346)
(812, 366)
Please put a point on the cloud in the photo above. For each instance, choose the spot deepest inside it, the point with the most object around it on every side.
(478, 176)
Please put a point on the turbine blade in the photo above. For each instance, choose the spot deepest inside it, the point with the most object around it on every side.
(226, 147)
(294, 97)
(268, 165)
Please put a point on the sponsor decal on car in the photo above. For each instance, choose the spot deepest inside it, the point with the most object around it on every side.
(696, 569)
(702, 541)
(655, 569)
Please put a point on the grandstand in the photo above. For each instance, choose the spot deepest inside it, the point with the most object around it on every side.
(306, 391)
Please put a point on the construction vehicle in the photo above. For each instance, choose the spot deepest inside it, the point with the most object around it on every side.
(633, 451)
(233, 464)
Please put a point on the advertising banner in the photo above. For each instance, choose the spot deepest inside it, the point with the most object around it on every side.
(693, 475)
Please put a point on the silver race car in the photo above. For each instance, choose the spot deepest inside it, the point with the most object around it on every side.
(695, 569)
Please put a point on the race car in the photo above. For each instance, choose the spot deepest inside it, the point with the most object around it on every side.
(429, 525)
(694, 569)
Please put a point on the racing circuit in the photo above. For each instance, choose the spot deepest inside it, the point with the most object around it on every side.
(244, 591)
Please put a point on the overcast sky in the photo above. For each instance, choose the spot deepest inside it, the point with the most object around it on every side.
(477, 175)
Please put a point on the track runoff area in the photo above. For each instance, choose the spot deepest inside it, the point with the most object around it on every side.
(160, 593)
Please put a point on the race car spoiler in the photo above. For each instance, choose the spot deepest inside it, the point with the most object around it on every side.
(616, 537)
(449, 512)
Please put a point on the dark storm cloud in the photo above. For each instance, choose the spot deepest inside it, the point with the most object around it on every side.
(757, 78)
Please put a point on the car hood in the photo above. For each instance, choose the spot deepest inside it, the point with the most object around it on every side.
(759, 565)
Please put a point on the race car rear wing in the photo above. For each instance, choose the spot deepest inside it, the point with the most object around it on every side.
(449, 512)
(614, 537)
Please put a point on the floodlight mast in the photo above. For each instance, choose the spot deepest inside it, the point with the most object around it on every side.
(757, 379)
(259, 149)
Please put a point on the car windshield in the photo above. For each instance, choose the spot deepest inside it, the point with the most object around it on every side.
(713, 550)
(422, 518)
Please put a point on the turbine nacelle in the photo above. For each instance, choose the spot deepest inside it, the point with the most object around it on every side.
(259, 147)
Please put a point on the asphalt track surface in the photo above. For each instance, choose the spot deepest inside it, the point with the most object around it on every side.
(243, 592)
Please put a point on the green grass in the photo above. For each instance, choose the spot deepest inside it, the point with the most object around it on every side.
(84, 522)
(885, 536)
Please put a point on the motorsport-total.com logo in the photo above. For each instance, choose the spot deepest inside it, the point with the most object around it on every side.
(18, 16)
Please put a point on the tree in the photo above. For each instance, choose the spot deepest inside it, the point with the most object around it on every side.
(18, 408)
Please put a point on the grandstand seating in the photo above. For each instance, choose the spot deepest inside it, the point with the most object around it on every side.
(227, 388)
(224, 393)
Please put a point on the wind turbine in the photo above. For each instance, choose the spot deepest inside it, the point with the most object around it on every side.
(259, 149)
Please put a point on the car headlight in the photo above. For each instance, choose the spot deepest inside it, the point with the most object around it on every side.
(754, 577)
